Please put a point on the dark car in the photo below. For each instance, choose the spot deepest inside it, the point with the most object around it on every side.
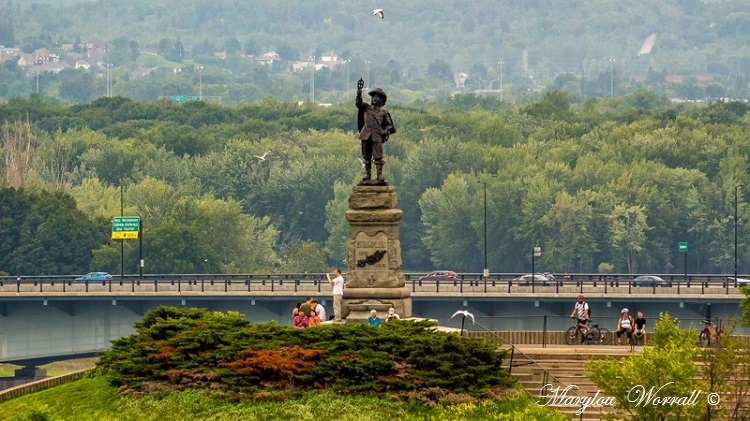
(650, 281)
(95, 276)
(439, 275)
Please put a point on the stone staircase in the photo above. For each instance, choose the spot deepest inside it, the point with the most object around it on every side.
(544, 371)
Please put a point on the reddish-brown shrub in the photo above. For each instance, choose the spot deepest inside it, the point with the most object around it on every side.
(275, 365)
(165, 352)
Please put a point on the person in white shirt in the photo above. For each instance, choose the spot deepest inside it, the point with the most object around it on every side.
(319, 309)
(624, 325)
(338, 292)
(391, 315)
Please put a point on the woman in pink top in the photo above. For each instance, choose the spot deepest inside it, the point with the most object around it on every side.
(300, 321)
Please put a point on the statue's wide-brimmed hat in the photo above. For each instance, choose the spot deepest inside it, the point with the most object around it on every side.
(378, 91)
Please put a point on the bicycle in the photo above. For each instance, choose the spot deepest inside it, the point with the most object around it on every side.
(593, 335)
(709, 334)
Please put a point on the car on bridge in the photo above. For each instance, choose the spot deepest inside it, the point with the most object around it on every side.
(439, 275)
(650, 281)
(539, 279)
(95, 276)
(741, 282)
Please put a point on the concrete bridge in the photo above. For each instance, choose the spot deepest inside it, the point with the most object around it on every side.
(48, 316)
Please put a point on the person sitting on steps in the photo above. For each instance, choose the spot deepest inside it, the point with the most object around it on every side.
(624, 325)
(640, 327)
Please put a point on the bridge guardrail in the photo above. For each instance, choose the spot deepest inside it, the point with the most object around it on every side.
(464, 283)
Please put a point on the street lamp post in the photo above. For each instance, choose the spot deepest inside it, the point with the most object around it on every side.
(200, 82)
(736, 187)
(368, 73)
(106, 50)
(501, 83)
(611, 83)
(312, 79)
(486, 271)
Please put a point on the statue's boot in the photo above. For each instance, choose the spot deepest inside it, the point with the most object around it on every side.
(368, 172)
(379, 166)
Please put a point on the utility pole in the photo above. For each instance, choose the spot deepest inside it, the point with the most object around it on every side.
(736, 187)
(200, 83)
(501, 80)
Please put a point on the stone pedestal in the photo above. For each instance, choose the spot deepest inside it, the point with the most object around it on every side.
(374, 280)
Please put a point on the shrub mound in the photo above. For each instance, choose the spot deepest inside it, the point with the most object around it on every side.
(189, 348)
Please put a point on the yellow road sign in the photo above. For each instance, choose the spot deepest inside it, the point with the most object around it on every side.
(125, 235)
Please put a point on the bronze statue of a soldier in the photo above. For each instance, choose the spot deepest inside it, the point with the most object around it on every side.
(375, 125)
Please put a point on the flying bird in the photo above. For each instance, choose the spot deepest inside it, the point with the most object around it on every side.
(379, 12)
(465, 314)
(263, 157)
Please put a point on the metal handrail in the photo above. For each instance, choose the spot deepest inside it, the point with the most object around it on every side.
(463, 284)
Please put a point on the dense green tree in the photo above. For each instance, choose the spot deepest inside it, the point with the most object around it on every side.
(628, 228)
(55, 237)
(446, 215)
(77, 86)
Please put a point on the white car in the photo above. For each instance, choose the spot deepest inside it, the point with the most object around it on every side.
(741, 282)
(539, 279)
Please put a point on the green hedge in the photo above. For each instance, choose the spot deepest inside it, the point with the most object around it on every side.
(185, 348)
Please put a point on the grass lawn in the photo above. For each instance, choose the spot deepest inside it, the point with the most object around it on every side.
(92, 398)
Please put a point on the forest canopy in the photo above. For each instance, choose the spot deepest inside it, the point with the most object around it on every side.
(596, 183)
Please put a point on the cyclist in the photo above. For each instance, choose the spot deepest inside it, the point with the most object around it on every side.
(581, 313)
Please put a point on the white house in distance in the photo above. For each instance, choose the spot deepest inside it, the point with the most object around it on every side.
(268, 58)
(330, 61)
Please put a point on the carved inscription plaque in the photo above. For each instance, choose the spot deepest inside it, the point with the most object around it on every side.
(367, 245)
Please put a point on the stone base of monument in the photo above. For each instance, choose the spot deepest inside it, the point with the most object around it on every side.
(357, 310)
(374, 280)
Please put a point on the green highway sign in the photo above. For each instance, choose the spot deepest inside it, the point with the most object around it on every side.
(682, 247)
(125, 227)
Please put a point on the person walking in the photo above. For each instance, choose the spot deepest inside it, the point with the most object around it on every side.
(338, 292)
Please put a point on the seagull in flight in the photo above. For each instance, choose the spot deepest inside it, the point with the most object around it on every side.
(465, 314)
(378, 12)
(262, 157)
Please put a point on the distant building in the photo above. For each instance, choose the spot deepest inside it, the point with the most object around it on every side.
(330, 61)
(268, 58)
(40, 56)
(53, 68)
(460, 78)
(9, 54)
(82, 64)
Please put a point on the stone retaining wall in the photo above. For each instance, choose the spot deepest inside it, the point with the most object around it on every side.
(40, 385)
